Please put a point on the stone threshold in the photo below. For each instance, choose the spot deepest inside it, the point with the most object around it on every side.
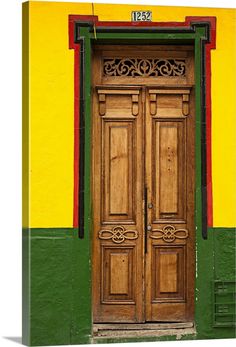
(127, 330)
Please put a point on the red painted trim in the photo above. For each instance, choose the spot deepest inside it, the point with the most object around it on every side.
(187, 23)
(76, 47)
(209, 46)
(76, 136)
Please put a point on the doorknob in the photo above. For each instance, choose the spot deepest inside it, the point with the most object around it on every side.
(149, 227)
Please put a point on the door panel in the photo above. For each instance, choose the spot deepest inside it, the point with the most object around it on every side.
(143, 141)
(118, 218)
(118, 171)
(168, 166)
(168, 275)
(169, 281)
(118, 275)
(168, 170)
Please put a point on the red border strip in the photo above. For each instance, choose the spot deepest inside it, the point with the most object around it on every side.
(76, 48)
(211, 45)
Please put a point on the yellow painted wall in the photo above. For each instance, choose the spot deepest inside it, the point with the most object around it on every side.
(51, 107)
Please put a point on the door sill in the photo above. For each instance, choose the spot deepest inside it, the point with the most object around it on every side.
(130, 330)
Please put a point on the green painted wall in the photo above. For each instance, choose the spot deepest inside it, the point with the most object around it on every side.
(215, 261)
(51, 286)
(225, 245)
(60, 288)
(60, 285)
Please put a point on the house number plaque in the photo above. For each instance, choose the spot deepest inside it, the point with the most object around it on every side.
(141, 16)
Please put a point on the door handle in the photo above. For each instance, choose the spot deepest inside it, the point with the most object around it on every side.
(149, 228)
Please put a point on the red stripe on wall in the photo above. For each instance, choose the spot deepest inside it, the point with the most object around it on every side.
(76, 136)
(76, 48)
(211, 45)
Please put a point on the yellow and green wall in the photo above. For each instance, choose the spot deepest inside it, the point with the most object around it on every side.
(56, 263)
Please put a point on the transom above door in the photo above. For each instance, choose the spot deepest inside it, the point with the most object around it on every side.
(143, 185)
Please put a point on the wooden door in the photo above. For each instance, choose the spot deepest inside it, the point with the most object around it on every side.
(117, 204)
(170, 193)
(143, 197)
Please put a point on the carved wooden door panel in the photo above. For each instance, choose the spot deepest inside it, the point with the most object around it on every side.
(143, 199)
(117, 203)
(170, 195)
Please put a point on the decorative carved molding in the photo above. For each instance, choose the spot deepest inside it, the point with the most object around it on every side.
(153, 104)
(102, 104)
(139, 67)
(135, 105)
(169, 233)
(134, 94)
(118, 234)
(185, 105)
(183, 91)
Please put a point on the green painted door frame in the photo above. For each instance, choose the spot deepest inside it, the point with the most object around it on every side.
(141, 38)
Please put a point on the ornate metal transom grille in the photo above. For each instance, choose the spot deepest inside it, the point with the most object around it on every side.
(139, 67)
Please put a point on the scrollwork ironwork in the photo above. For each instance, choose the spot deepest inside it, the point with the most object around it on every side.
(139, 67)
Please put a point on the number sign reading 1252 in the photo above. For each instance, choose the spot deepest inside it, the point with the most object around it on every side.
(141, 16)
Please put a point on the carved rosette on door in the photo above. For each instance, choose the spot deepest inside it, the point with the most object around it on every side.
(143, 187)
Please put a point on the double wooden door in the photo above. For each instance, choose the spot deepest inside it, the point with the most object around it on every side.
(143, 201)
